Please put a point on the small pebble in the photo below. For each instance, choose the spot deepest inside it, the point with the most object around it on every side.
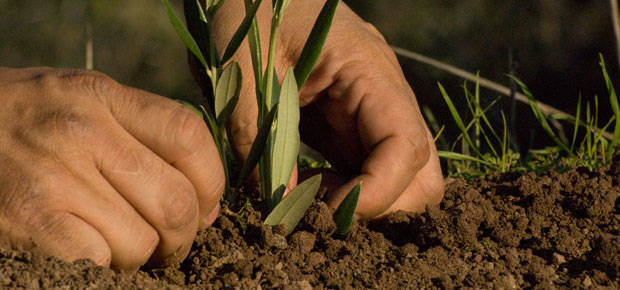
(558, 259)
(587, 282)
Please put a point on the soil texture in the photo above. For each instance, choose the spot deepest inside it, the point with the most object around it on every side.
(507, 231)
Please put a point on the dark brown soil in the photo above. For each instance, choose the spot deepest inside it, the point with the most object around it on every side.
(505, 231)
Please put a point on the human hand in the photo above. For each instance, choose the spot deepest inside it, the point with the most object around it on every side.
(358, 109)
(93, 169)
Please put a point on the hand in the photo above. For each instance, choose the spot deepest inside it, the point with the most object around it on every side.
(358, 109)
(94, 169)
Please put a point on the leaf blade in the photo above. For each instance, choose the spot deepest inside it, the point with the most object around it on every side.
(286, 141)
(227, 92)
(241, 32)
(184, 34)
(314, 45)
(346, 210)
(293, 207)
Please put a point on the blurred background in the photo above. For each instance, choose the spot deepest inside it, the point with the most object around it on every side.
(554, 45)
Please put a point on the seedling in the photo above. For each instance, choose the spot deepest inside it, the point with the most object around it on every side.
(482, 150)
(276, 146)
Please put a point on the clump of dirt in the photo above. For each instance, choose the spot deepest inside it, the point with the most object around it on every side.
(505, 231)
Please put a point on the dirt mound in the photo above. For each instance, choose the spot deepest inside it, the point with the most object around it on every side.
(506, 231)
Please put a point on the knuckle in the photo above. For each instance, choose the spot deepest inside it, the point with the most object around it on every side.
(188, 130)
(180, 206)
(94, 82)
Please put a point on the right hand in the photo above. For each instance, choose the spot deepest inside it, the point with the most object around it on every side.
(93, 169)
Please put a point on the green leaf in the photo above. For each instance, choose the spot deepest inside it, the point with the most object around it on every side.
(191, 107)
(463, 157)
(314, 45)
(227, 92)
(197, 24)
(293, 207)
(346, 210)
(286, 142)
(541, 117)
(255, 51)
(615, 107)
(184, 34)
(258, 147)
(457, 119)
(241, 32)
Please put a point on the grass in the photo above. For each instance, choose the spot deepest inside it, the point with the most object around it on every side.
(481, 148)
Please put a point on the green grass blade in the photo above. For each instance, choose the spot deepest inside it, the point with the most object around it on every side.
(577, 120)
(286, 142)
(258, 147)
(457, 119)
(182, 31)
(241, 32)
(541, 117)
(314, 45)
(293, 207)
(346, 210)
(463, 157)
(615, 107)
(227, 92)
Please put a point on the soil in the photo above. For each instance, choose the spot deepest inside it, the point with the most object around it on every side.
(506, 231)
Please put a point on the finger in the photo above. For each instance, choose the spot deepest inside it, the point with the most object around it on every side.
(426, 188)
(62, 235)
(160, 193)
(132, 240)
(392, 133)
(173, 132)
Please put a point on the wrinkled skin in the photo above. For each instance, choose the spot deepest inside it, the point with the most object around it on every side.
(93, 169)
(358, 109)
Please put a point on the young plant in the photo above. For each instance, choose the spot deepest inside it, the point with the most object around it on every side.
(276, 146)
(595, 149)
(482, 148)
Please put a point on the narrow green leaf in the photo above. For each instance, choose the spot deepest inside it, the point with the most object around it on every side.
(184, 34)
(463, 157)
(256, 53)
(541, 117)
(227, 92)
(457, 119)
(293, 207)
(577, 120)
(346, 210)
(615, 107)
(197, 25)
(191, 107)
(314, 45)
(241, 32)
(286, 142)
(258, 147)
(277, 195)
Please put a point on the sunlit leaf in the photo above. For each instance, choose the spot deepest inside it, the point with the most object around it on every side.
(293, 207)
(457, 119)
(286, 141)
(241, 32)
(463, 157)
(346, 210)
(227, 92)
(184, 34)
(542, 120)
(314, 45)
(615, 107)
